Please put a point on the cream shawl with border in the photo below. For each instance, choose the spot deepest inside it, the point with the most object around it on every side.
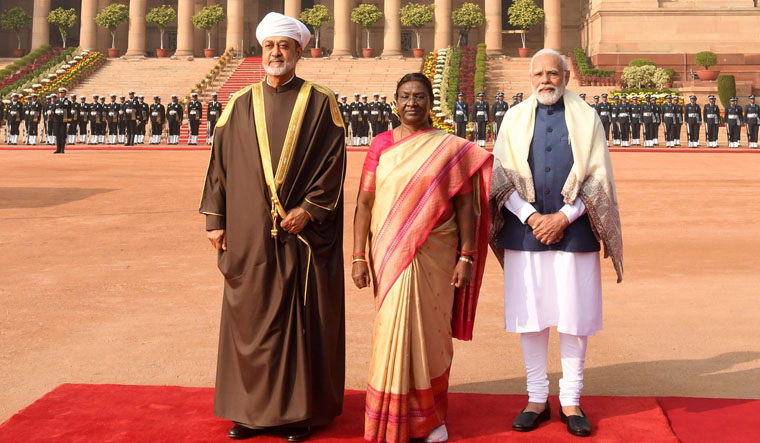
(590, 178)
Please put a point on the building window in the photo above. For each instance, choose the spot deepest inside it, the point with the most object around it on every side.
(406, 40)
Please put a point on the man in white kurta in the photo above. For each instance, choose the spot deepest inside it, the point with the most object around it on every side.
(553, 201)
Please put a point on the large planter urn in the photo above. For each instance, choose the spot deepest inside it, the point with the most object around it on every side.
(113, 52)
(162, 53)
(524, 52)
(418, 53)
(209, 53)
(707, 75)
(368, 52)
(316, 52)
(18, 52)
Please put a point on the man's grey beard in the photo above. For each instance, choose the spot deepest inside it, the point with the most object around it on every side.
(550, 95)
(282, 70)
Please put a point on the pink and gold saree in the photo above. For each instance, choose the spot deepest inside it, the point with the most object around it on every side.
(414, 240)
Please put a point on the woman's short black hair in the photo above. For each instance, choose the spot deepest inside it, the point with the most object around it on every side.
(418, 77)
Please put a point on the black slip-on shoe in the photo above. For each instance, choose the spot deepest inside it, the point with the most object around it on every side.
(528, 421)
(576, 424)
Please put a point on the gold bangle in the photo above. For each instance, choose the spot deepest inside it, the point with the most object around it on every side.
(466, 259)
(357, 260)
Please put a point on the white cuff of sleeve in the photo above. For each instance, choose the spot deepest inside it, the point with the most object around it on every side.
(574, 211)
(522, 209)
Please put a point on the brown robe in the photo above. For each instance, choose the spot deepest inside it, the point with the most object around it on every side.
(282, 336)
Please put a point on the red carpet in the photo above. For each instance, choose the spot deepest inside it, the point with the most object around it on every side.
(117, 413)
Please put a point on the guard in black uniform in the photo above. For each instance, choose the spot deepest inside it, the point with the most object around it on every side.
(364, 127)
(481, 115)
(624, 121)
(61, 118)
(122, 128)
(679, 119)
(734, 122)
(157, 117)
(344, 111)
(34, 115)
(214, 111)
(95, 116)
(112, 119)
(752, 117)
(103, 126)
(498, 110)
(596, 103)
(48, 111)
(635, 109)
(693, 119)
(130, 115)
(461, 116)
(84, 114)
(140, 121)
(376, 115)
(658, 120)
(14, 113)
(582, 95)
(194, 113)
(356, 108)
(711, 116)
(604, 109)
(395, 120)
(387, 111)
(615, 124)
(145, 113)
(668, 115)
(648, 120)
(73, 126)
(174, 116)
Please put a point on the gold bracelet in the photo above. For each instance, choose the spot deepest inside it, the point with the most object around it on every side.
(466, 259)
(357, 260)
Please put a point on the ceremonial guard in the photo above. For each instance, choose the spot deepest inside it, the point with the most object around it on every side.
(648, 119)
(515, 100)
(395, 120)
(365, 122)
(71, 131)
(734, 123)
(357, 109)
(345, 112)
(130, 113)
(668, 115)
(711, 117)
(140, 120)
(614, 117)
(48, 110)
(498, 110)
(213, 112)
(657, 120)
(194, 113)
(461, 115)
(693, 119)
(519, 97)
(157, 117)
(14, 113)
(679, 119)
(145, 114)
(103, 126)
(752, 116)
(61, 118)
(3, 123)
(25, 119)
(596, 102)
(481, 116)
(376, 115)
(174, 117)
(604, 109)
(112, 119)
(635, 109)
(624, 121)
(122, 128)
(94, 110)
(582, 96)
(34, 113)
(84, 114)
(387, 112)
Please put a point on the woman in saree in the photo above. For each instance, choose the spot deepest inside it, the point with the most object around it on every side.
(422, 210)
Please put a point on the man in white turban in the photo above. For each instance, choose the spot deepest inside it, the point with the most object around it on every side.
(273, 203)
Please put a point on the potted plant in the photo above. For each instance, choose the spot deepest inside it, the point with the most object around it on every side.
(524, 14)
(316, 17)
(706, 59)
(15, 19)
(416, 16)
(110, 18)
(466, 17)
(205, 19)
(63, 19)
(366, 15)
(161, 16)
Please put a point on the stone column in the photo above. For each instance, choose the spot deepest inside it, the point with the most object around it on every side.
(136, 42)
(442, 24)
(493, 27)
(87, 29)
(103, 41)
(342, 35)
(293, 8)
(553, 24)
(392, 29)
(234, 24)
(185, 10)
(40, 26)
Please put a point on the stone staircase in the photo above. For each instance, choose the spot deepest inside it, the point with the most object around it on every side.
(150, 76)
(365, 76)
(232, 79)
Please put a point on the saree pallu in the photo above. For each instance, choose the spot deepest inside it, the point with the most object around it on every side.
(413, 255)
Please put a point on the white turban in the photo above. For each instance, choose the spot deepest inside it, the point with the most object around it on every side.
(277, 25)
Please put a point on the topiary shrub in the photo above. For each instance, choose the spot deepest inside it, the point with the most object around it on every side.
(726, 89)
(479, 81)
(706, 59)
(639, 62)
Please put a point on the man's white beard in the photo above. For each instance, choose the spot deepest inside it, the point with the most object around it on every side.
(282, 70)
(549, 94)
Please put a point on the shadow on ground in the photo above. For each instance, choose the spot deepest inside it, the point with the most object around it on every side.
(18, 198)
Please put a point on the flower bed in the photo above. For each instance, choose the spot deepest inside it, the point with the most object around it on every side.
(74, 72)
(434, 68)
(467, 74)
(658, 94)
(206, 81)
(27, 73)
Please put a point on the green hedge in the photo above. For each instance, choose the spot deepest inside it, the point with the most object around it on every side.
(726, 89)
(23, 61)
(638, 62)
(453, 80)
(584, 65)
(480, 69)
(641, 91)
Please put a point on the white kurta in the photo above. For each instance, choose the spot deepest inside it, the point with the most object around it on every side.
(551, 288)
